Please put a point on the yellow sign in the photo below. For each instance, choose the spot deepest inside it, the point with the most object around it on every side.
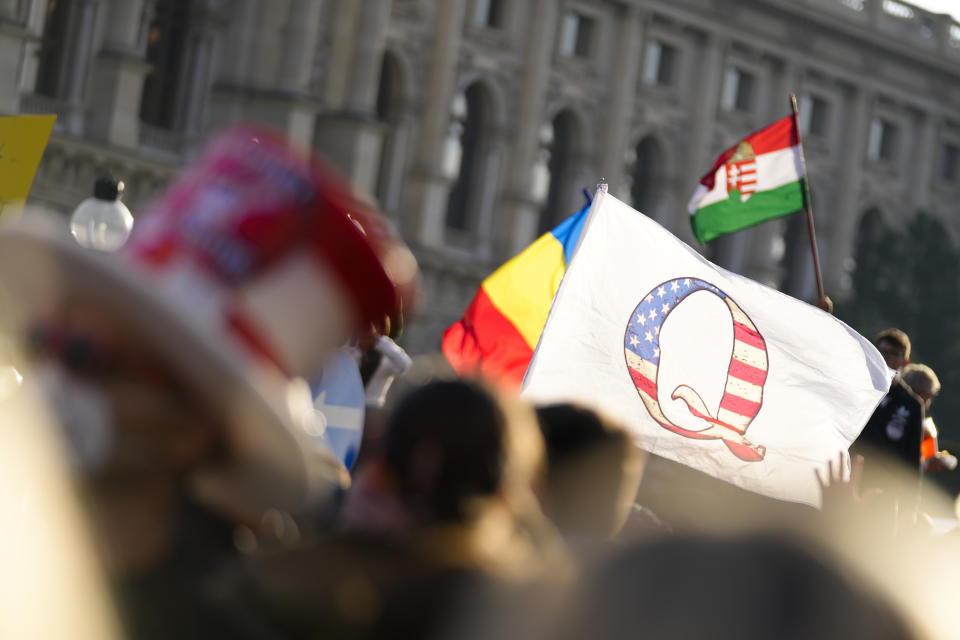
(22, 141)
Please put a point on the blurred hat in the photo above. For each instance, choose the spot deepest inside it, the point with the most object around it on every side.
(246, 272)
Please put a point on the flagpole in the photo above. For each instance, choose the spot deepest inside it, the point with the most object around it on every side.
(822, 301)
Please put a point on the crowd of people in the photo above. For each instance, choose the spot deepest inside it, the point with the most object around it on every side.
(164, 478)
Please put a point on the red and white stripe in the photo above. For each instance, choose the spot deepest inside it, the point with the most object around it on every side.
(748, 179)
(748, 371)
(644, 375)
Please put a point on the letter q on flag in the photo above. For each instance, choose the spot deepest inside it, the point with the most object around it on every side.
(706, 367)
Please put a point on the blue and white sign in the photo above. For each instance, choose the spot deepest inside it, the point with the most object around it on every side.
(338, 400)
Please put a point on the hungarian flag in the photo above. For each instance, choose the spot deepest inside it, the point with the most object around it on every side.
(706, 367)
(498, 332)
(759, 178)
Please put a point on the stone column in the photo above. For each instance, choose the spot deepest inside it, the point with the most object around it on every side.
(392, 155)
(702, 117)
(15, 37)
(351, 135)
(361, 93)
(623, 85)
(268, 55)
(925, 154)
(520, 206)
(342, 26)
(73, 79)
(200, 57)
(119, 70)
(194, 83)
(240, 51)
(493, 152)
(122, 25)
(833, 256)
(300, 34)
(760, 263)
(299, 41)
(427, 188)
(34, 14)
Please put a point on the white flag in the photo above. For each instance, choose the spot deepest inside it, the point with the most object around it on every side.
(708, 368)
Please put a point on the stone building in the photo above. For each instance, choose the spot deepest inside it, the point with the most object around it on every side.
(476, 124)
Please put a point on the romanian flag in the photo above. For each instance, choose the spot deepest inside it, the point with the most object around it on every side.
(759, 178)
(498, 332)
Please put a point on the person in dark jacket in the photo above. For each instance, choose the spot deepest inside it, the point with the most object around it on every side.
(890, 442)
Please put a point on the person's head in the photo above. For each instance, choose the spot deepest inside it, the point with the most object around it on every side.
(454, 447)
(894, 346)
(593, 470)
(922, 381)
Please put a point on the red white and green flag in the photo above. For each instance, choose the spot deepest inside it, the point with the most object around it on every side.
(759, 178)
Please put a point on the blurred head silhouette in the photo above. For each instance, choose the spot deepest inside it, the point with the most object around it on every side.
(755, 586)
(922, 381)
(456, 447)
(593, 470)
(894, 346)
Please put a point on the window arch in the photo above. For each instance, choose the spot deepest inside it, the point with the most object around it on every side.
(390, 111)
(472, 126)
(870, 225)
(646, 172)
(389, 94)
(867, 246)
(65, 50)
(182, 41)
(166, 43)
(564, 142)
(51, 70)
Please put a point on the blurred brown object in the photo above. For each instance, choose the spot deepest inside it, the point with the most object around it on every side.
(51, 584)
(441, 535)
(169, 364)
(745, 587)
(593, 471)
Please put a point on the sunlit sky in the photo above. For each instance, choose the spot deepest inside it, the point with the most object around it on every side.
(939, 6)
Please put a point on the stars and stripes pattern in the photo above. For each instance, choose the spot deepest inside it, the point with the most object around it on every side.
(747, 372)
(742, 176)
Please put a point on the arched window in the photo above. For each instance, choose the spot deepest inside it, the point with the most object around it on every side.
(870, 226)
(473, 112)
(869, 250)
(51, 71)
(390, 112)
(65, 51)
(563, 193)
(647, 175)
(166, 44)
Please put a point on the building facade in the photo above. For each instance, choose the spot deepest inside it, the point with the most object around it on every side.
(476, 124)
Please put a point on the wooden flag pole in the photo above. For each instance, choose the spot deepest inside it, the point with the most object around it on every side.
(822, 300)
